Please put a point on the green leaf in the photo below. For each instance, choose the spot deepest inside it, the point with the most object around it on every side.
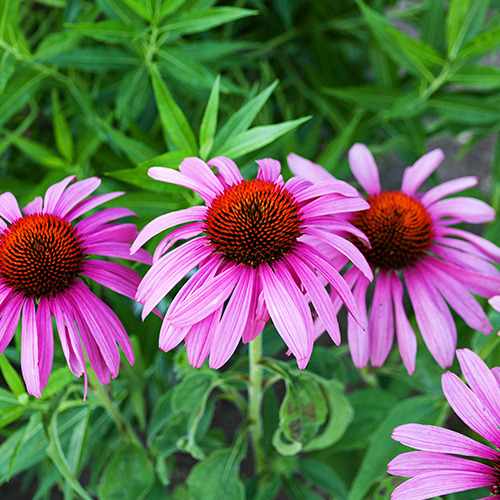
(105, 31)
(477, 77)
(414, 55)
(129, 476)
(481, 44)
(371, 97)
(64, 140)
(117, 10)
(463, 21)
(209, 121)
(466, 109)
(175, 124)
(96, 59)
(201, 20)
(58, 380)
(216, 478)
(7, 68)
(168, 7)
(54, 44)
(433, 25)
(382, 449)
(140, 8)
(243, 118)
(10, 375)
(39, 153)
(256, 138)
(324, 476)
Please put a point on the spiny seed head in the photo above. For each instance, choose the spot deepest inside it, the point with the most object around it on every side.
(253, 222)
(40, 255)
(399, 228)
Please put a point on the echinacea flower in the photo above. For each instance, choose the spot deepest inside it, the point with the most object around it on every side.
(44, 259)
(413, 241)
(252, 262)
(436, 470)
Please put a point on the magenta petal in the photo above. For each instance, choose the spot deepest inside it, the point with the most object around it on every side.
(198, 170)
(10, 319)
(481, 381)
(463, 209)
(75, 194)
(269, 169)
(181, 233)
(433, 318)
(167, 221)
(94, 221)
(29, 350)
(9, 209)
(407, 340)
(234, 320)
(118, 250)
(414, 463)
(34, 207)
(333, 204)
(284, 302)
(45, 340)
(307, 169)
(447, 188)
(325, 188)
(433, 484)
(359, 341)
(170, 335)
(490, 250)
(318, 296)
(117, 233)
(90, 203)
(381, 322)
(431, 438)
(469, 408)
(495, 302)
(227, 168)
(54, 193)
(414, 176)
(364, 168)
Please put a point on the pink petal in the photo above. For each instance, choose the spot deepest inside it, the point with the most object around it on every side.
(433, 317)
(381, 322)
(197, 169)
(364, 168)
(170, 335)
(489, 249)
(116, 233)
(118, 250)
(29, 350)
(87, 225)
(407, 340)
(269, 169)
(495, 302)
(333, 204)
(469, 408)
(45, 340)
(90, 203)
(463, 209)
(10, 319)
(181, 233)
(9, 208)
(34, 207)
(359, 341)
(447, 188)
(481, 380)
(307, 169)
(414, 176)
(200, 337)
(234, 320)
(284, 301)
(431, 438)
(295, 185)
(414, 463)
(75, 194)
(324, 188)
(167, 221)
(227, 168)
(433, 484)
(54, 193)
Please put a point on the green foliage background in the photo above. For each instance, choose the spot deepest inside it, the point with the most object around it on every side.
(112, 87)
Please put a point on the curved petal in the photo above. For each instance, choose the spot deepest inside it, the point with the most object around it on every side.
(53, 194)
(364, 168)
(463, 209)
(447, 188)
(333, 204)
(301, 167)
(227, 168)
(269, 169)
(414, 176)
(9, 208)
(197, 169)
(89, 224)
(117, 249)
(486, 247)
(325, 188)
(90, 203)
(29, 350)
(10, 319)
(75, 194)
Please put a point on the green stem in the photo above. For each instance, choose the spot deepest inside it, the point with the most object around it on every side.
(255, 402)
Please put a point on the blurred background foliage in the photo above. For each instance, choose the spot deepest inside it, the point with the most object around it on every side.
(112, 87)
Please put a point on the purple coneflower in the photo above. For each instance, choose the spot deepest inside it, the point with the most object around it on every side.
(436, 470)
(252, 261)
(44, 259)
(412, 238)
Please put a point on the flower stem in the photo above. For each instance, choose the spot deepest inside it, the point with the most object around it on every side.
(255, 400)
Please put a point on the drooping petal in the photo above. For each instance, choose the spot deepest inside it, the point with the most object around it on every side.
(431, 438)
(10, 319)
(227, 168)
(364, 168)
(171, 335)
(381, 322)
(357, 336)
(307, 169)
(416, 175)
(463, 209)
(45, 340)
(29, 350)
(447, 188)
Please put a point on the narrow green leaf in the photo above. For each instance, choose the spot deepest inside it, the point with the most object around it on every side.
(10, 414)
(382, 449)
(477, 77)
(175, 124)
(64, 140)
(130, 462)
(325, 477)
(480, 44)
(105, 31)
(10, 375)
(216, 478)
(433, 25)
(243, 118)
(117, 10)
(466, 109)
(58, 380)
(169, 7)
(96, 59)
(256, 138)
(209, 121)
(134, 93)
(201, 20)
(414, 55)
(371, 97)
(39, 153)
(7, 68)
(139, 8)
(56, 43)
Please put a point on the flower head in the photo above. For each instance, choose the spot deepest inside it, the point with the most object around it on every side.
(413, 242)
(435, 470)
(44, 257)
(248, 243)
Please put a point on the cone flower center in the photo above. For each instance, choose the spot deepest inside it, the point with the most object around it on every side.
(40, 255)
(399, 228)
(253, 222)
